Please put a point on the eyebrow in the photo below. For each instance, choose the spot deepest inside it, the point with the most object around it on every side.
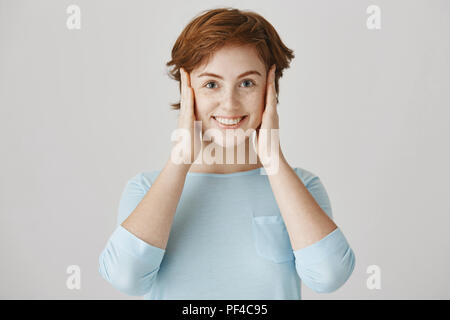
(204, 74)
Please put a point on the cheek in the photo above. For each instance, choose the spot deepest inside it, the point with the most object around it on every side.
(203, 98)
(261, 97)
(253, 102)
(255, 99)
(202, 108)
(258, 103)
(260, 106)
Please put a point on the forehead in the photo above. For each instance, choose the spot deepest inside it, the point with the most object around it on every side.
(232, 60)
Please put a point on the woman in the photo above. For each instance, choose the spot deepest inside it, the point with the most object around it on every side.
(236, 230)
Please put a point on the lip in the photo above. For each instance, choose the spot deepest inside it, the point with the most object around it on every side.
(228, 117)
(223, 126)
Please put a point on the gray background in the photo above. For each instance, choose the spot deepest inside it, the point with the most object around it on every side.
(82, 111)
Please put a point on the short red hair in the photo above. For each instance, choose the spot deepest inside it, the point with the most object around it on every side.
(212, 29)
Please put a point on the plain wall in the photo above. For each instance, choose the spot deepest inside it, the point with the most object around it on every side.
(82, 111)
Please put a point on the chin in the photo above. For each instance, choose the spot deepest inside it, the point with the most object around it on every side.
(229, 143)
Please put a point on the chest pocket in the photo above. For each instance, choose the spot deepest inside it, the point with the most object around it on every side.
(272, 239)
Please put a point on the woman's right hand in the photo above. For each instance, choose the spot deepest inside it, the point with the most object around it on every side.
(186, 120)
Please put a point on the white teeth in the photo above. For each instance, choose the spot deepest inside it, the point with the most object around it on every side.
(229, 121)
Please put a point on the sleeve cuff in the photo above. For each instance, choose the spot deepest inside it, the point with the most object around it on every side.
(333, 242)
(135, 246)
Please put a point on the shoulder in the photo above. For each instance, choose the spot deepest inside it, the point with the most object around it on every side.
(315, 186)
(143, 180)
(135, 189)
(306, 176)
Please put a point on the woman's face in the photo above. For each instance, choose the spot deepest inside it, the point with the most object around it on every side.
(231, 85)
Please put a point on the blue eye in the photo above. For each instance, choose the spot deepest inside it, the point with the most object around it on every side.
(249, 81)
(245, 81)
(209, 83)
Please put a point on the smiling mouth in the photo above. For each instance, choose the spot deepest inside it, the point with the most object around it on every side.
(229, 123)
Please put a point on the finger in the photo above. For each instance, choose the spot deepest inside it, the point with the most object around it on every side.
(186, 94)
(187, 78)
(190, 101)
(183, 85)
(181, 89)
(190, 91)
(271, 94)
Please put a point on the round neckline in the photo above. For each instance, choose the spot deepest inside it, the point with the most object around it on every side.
(226, 175)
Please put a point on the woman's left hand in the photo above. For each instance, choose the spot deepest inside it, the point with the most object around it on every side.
(267, 144)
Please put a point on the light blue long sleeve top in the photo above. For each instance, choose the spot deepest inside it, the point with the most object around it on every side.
(228, 241)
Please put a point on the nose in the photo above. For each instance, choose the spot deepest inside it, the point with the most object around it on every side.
(231, 101)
